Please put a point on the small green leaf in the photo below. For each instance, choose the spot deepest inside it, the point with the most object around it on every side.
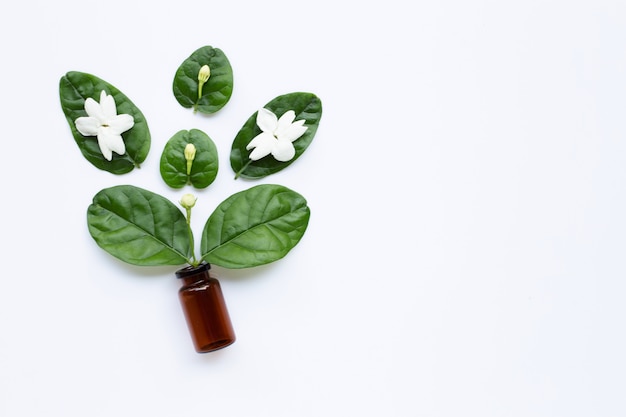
(307, 106)
(254, 227)
(174, 165)
(74, 88)
(215, 92)
(139, 227)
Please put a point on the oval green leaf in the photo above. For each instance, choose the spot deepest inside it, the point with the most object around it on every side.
(74, 88)
(139, 227)
(215, 92)
(255, 227)
(174, 165)
(307, 106)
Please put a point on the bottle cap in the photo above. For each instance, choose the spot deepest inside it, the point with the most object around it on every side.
(192, 270)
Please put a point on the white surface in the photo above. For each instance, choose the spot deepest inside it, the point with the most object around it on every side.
(465, 255)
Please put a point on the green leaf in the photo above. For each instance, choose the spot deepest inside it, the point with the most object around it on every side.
(139, 227)
(74, 88)
(254, 227)
(216, 91)
(307, 106)
(174, 165)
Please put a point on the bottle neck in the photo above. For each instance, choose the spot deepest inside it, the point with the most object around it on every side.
(193, 274)
(195, 279)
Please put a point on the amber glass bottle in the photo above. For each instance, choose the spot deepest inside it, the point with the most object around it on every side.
(205, 310)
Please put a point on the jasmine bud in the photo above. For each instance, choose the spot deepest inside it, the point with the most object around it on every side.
(190, 155)
(203, 77)
(204, 74)
(188, 201)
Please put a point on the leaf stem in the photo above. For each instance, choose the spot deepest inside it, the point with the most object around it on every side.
(200, 85)
(194, 261)
(246, 165)
(127, 157)
(195, 106)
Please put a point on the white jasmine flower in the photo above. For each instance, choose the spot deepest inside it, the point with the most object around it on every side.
(104, 122)
(277, 135)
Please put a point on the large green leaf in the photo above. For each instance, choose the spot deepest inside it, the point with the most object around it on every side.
(254, 227)
(139, 227)
(174, 165)
(74, 88)
(307, 106)
(216, 91)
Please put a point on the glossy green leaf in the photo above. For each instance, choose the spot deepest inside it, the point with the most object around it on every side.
(254, 227)
(307, 106)
(216, 91)
(139, 227)
(204, 167)
(74, 88)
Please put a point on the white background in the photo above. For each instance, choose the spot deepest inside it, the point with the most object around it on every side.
(465, 255)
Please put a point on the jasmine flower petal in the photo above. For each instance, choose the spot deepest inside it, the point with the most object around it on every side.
(262, 144)
(121, 123)
(286, 119)
(266, 120)
(104, 147)
(87, 126)
(283, 151)
(293, 131)
(109, 141)
(93, 109)
(108, 105)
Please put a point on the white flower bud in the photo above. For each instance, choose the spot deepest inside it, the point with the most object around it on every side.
(188, 201)
(190, 152)
(204, 74)
(190, 155)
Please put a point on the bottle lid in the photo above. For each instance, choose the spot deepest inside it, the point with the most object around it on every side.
(192, 270)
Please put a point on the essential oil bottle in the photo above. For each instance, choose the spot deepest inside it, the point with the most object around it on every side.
(205, 309)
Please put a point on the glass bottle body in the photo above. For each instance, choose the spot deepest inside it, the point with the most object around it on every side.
(205, 309)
